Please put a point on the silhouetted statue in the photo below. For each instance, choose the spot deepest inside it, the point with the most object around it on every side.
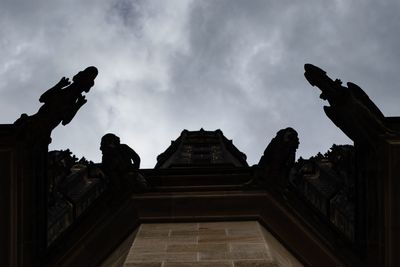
(279, 157)
(60, 104)
(350, 107)
(121, 164)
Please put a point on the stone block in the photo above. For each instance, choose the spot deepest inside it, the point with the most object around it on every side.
(198, 232)
(244, 232)
(198, 247)
(169, 226)
(254, 263)
(161, 256)
(166, 240)
(259, 247)
(199, 264)
(229, 239)
(229, 225)
(143, 264)
(243, 255)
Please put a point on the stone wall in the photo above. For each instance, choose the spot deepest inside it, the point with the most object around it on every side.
(218, 244)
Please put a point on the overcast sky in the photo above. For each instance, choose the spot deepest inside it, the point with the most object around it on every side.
(165, 66)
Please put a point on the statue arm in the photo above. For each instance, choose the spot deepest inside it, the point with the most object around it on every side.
(133, 156)
(56, 88)
(73, 110)
(136, 159)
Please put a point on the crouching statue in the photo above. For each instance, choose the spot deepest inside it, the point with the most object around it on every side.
(120, 163)
(278, 159)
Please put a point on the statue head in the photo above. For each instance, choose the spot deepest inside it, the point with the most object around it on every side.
(85, 78)
(289, 137)
(109, 141)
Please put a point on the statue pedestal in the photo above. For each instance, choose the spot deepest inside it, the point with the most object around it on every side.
(379, 201)
(389, 200)
(23, 204)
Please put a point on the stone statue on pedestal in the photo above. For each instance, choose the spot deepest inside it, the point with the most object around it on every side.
(350, 107)
(279, 157)
(121, 164)
(60, 104)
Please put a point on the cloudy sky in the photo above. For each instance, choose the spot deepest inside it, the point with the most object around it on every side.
(165, 66)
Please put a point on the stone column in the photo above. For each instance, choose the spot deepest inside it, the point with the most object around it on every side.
(23, 205)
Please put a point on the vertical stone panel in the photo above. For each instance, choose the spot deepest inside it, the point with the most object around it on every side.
(5, 213)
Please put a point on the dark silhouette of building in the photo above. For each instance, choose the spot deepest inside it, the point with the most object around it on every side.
(337, 209)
